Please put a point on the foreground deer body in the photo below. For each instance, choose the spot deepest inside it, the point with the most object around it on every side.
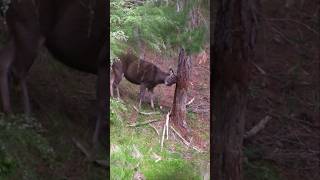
(140, 72)
(70, 31)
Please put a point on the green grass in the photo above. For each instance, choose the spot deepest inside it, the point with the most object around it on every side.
(23, 149)
(138, 148)
(260, 169)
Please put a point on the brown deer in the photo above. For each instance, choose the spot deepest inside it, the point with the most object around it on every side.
(74, 31)
(140, 72)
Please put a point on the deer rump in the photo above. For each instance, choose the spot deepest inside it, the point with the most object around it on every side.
(140, 72)
(73, 31)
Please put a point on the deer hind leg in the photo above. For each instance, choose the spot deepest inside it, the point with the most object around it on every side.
(142, 94)
(27, 43)
(102, 99)
(117, 82)
(152, 98)
(118, 76)
(111, 84)
(6, 59)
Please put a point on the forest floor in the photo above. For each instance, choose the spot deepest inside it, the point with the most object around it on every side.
(41, 146)
(176, 158)
(285, 86)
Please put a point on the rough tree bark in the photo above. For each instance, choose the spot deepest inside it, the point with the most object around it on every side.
(179, 111)
(234, 39)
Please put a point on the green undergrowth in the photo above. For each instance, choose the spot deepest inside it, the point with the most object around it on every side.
(138, 149)
(259, 169)
(28, 151)
(24, 152)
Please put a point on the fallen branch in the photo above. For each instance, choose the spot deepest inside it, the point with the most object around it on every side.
(145, 113)
(185, 141)
(294, 21)
(259, 69)
(167, 124)
(165, 129)
(188, 103)
(82, 148)
(155, 129)
(143, 123)
(162, 139)
(257, 128)
(102, 163)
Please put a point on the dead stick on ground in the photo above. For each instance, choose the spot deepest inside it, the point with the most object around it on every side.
(163, 132)
(259, 69)
(165, 129)
(82, 148)
(167, 123)
(188, 103)
(253, 131)
(143, 123)
(145, 113)
(102, 163)
(185, 141)
(155, 129)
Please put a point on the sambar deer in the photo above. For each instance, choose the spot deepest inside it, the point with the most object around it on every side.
(74, 31)
(140, 72)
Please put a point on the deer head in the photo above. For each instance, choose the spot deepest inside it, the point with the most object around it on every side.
(171, 78)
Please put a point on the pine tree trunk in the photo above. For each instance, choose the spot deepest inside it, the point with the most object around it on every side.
(234, 39)
(179, 111)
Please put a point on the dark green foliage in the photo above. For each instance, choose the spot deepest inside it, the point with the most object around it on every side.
(157, 25)
(258, 169)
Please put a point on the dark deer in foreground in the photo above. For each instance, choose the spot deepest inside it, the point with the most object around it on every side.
(141, 72)
(74, 31)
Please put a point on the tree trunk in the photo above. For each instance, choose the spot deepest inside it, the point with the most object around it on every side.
(179, 110)
(234, 39)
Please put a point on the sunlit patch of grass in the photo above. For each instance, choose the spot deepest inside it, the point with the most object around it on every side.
(138, 149)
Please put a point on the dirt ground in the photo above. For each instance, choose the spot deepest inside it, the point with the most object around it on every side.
(199, 90)
(285, 86)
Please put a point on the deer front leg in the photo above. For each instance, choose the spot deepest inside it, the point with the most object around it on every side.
(142, 93)
(152, 98)
(118, 92)
(102, 100)
(111, 84)
(6, 57)
(25, 96)
(27, 41)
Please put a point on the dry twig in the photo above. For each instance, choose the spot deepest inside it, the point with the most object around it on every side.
(145, 113)
(190, 102)
(257, 127)
(102, 163)
(165, 128)
(143, 123)
(155, 129)
(185, 141)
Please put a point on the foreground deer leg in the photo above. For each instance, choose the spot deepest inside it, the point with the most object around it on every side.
(102, 98)
(118, 75)
(118, 92)
(111, 84)
(6, 58)
(27, 41)
(25, 97)
(152, 98)
(142, 93)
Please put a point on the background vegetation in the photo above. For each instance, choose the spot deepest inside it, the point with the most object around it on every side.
(161, 26)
